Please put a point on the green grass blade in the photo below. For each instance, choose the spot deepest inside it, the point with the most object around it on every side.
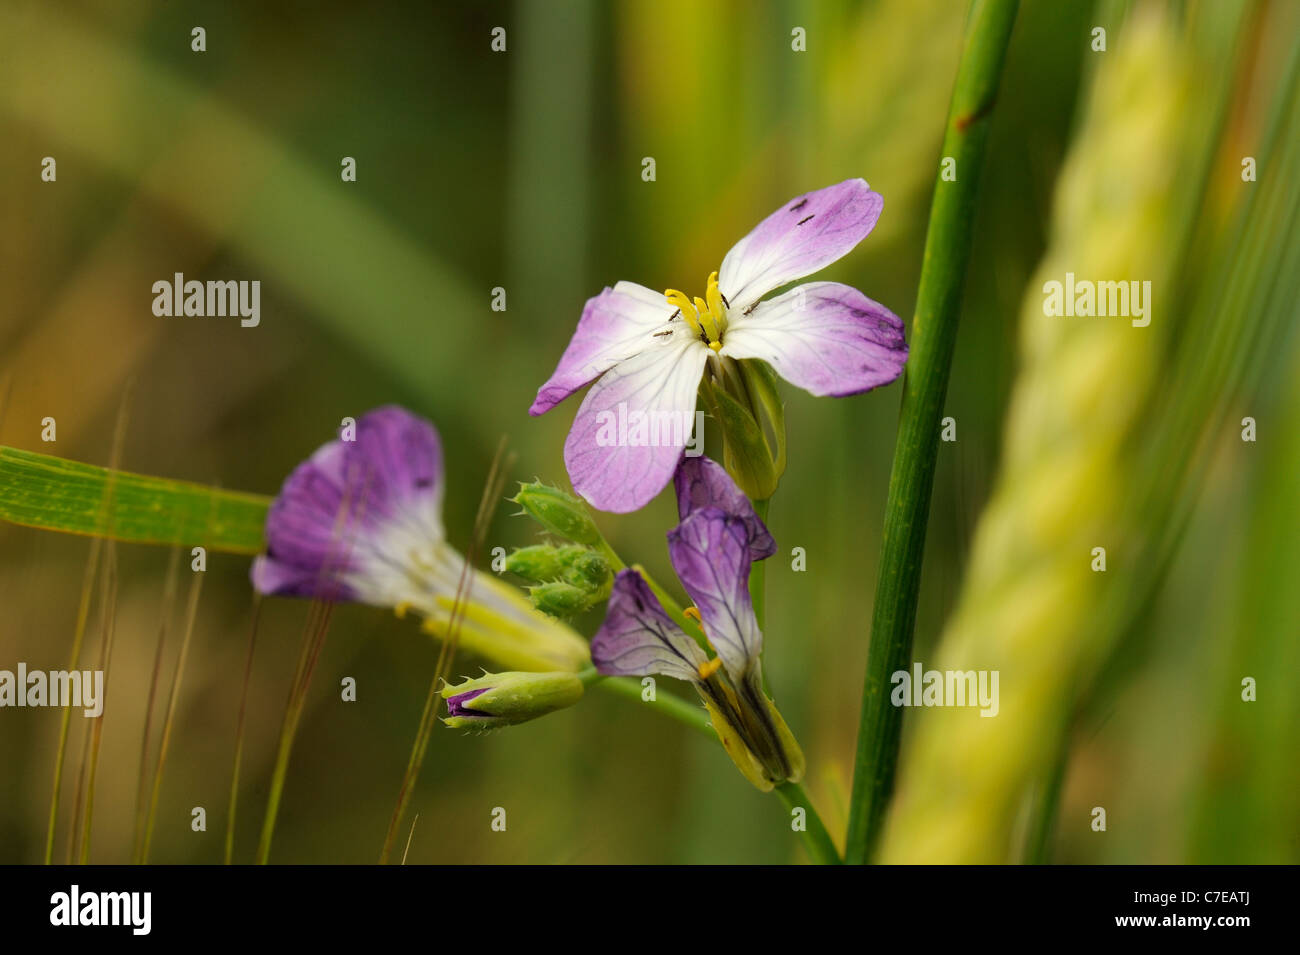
(934, 333)
(53, 493)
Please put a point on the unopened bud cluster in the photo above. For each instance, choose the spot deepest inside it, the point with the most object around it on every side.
(568, 578)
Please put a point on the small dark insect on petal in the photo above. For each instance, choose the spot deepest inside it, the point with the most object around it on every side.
(799, 205)
(724, 299)
(805, 219)
(675, 315)
(666, 331)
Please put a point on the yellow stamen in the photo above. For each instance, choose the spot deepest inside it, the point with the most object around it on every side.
(401, 609)
(693, 613)
(707, 670)
(689, 313)
(707, 319)
(716, 306)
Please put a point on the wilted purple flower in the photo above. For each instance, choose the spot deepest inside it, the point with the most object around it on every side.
(702, 483)
(361, 520)
(650, 351)
(711, 550)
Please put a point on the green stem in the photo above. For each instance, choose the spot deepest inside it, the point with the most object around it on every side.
(934, 332)
(816, 838)
(675, 707)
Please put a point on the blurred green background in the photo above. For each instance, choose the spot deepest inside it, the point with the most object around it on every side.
(478, 169)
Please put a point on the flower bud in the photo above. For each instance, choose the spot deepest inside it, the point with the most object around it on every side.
(748, 415)
(503, 699)
(560, 513)
(589, 571)
(538, 562)
(572, 563)
(560, 599)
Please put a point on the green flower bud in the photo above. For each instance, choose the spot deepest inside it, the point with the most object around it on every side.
(752, 419)
(540, 561)
(560, 599)
(561, 514)
(590, 571)
(503, 699)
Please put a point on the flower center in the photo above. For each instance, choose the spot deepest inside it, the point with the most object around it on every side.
(706, 316)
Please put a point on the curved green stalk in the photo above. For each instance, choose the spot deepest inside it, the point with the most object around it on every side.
(934, 332)
(675, 707)
(815, 837)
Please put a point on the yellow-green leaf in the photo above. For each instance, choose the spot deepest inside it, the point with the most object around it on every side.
(53, 493)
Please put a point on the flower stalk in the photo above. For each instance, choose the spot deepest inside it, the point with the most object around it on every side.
(934, 333)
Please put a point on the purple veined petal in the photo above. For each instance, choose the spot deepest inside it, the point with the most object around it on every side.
(615, 325)
(701, 482)
(710, 552)
(804, 236)
(400, 456)
(634, 423)
(326, 520)
(827, 338)
(638, 638)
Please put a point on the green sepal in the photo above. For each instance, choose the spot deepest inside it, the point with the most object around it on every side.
(761, 381)
(746, 455)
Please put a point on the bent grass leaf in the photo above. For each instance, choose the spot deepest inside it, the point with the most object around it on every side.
(53, 493)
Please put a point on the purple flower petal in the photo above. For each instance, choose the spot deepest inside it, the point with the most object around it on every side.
(456, 704)
(827, 338)
(634, 423)
(805, 235)
(710, 552)
(701, 483)
(272, 576)
(615, 325)
(321, 526)
(638, 638)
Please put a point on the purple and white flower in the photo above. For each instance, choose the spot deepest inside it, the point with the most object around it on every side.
(361, 520)
(650, 351)
(712, 549)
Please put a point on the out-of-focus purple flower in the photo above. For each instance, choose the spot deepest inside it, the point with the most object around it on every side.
(361, 520)
(650, 351)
